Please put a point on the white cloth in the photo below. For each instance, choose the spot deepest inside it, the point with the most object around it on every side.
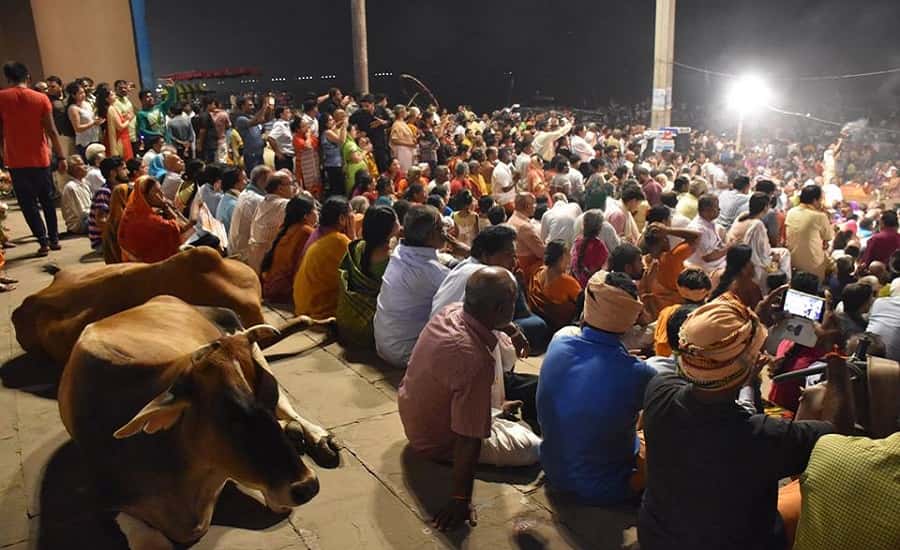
(510, 444)
(313, 124)
(148, 157)
(170, 184)
(833, 194)
(266, 223)
(558, 223)
(453, 287)
(501, 178)
(241, 220)
(281, 133)
(731, 205)
(543, 141)
(76, 203)
(94, 179)
(884, 320)
(412, 278)
(710, 240)
(757, 238)
(523, 160)
(86, 116)
(582, 148)
(607, 233)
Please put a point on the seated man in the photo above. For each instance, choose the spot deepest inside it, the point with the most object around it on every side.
(849, 495)
(316, 283)
(494, 246)
(589, 394)
(410, 282)
(450, 401)
(529, 246)
(76, 197)
(712, 467)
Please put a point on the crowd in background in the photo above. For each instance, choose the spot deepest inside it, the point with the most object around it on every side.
(452, 243)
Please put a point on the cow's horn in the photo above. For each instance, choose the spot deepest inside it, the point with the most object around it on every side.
(258, 332)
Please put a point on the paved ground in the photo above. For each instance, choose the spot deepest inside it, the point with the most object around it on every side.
(381, 496)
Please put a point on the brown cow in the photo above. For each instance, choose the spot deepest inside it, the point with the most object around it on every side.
(50, 320)
(167, 407)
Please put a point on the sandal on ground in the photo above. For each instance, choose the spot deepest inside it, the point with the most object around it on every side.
(6, 287)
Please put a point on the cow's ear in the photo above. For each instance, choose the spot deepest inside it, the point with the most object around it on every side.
(266, 386)
(160, 414)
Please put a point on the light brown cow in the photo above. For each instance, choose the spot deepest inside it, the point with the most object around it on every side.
(168, 406)
(50, 320)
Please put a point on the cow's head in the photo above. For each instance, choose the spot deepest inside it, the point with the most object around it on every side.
(223, 405)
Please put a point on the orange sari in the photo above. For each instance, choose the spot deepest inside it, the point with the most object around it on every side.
(277, 281)
(143, 234)
(554, 302)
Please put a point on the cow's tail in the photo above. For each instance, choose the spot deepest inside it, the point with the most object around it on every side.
(293, 326)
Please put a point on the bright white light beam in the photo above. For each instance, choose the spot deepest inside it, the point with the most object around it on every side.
(749, 93)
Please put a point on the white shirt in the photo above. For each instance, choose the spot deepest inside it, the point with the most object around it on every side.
(607, 233)
(543, 141)
(884, 320)
(241, 220)
(170, 184)
(94, 180)
(453, 289)
(76, 203)
(732, 204)
(313, 124)
(502, 178)
(281, 133)
(833, 194)
(581, 148)
(558, 223)
(577, 179)
(148, 157)
(411, 280)
(709, 242)
(521, 166)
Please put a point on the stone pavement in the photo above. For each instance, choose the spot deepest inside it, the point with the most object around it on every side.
(381, 496)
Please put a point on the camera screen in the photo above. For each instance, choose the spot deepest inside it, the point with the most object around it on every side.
(804, 305)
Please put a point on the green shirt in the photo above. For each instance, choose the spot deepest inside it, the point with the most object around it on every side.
(152, 121)
(851, 495)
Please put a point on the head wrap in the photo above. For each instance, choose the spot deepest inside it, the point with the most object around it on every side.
(719, 344)
(609, 308)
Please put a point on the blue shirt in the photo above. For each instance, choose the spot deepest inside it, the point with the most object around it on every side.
(588, 397)
(251, 134)
(226, 209)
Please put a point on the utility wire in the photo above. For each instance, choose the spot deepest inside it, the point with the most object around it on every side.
(789, 78)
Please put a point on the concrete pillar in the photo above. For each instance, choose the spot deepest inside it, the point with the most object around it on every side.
(103, 48)
(360, 46)
(663, 57)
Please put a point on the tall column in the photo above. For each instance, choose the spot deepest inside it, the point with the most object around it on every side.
(360, 46)
(663, 57)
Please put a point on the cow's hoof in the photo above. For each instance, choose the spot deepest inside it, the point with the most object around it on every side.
(326, 453)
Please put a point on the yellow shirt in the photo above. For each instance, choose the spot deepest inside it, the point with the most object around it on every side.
(687, 205)
(316, 282)
(807, 229)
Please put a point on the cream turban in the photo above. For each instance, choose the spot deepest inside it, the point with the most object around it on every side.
(719, 344)
(609, 308)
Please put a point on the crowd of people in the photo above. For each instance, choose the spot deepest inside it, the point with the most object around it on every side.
(452, 244)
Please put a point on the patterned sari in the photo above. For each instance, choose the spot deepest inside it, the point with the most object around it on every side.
(357, 296)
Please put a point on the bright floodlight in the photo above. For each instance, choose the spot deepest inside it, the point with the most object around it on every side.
(749, 93)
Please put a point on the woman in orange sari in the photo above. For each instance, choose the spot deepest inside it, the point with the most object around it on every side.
(553, 293)
(281, 262)
(535, 180)
(146, 235)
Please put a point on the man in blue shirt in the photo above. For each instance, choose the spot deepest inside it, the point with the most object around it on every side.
(249, 127)
(589, 394)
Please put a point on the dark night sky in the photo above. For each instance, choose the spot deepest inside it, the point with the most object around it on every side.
(581, 51)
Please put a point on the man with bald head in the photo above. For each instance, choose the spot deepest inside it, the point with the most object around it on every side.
(451, 400)
(529, 246)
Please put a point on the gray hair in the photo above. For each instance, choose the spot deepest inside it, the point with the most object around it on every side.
(420, 223)
(359, 204)
(258, 173)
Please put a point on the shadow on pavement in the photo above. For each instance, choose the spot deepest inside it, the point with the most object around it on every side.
(72, 509)
(31, 373)
(592, 526)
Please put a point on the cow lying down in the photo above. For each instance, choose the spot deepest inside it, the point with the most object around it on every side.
(50, 320)
(168, 401)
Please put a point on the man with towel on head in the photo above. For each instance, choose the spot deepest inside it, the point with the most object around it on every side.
(589, 394)
(712, 467)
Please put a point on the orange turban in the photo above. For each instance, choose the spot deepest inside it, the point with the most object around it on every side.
(609, 308)
(719, 344)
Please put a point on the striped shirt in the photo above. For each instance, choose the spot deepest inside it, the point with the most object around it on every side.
(99, 205)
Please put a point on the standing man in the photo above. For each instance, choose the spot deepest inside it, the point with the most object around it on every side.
(808, 232)
(180, 131)
(126, 110)
(207, 133)
(26, 121)
(60, 116)
(374, 127)
(249, 127)
(151, 120)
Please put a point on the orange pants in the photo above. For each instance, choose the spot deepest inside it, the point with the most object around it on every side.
(789, 502)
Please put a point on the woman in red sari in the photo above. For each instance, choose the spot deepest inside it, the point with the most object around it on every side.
(145, 235)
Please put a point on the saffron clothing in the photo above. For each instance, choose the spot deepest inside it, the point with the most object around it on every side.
(555, 302)
(112, 253)
(145, 235)
(529, 246)
(316, 283)
(278, 280)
